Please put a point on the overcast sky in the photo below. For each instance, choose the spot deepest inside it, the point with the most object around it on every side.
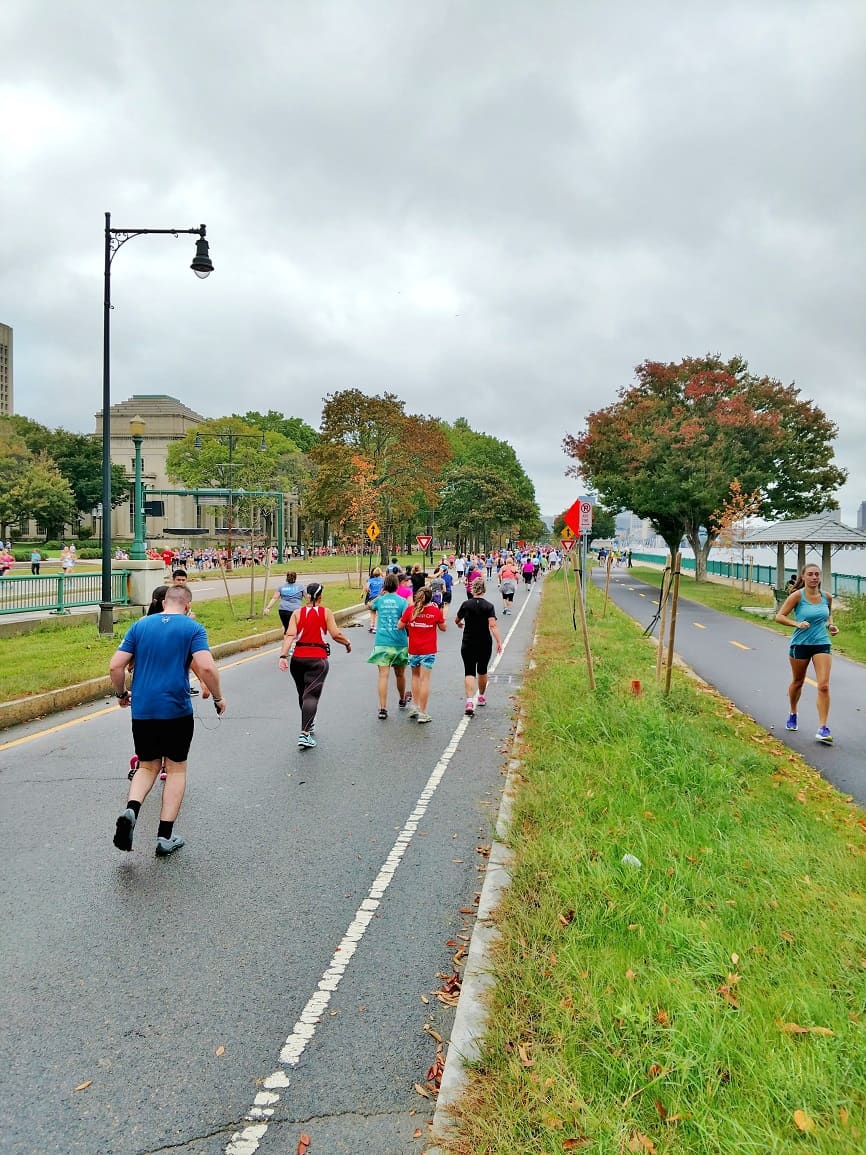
(493, 209)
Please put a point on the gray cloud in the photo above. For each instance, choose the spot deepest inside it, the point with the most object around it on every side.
(494, 210)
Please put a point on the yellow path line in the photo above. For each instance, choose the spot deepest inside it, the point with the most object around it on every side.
(698, 626)
(108, 709)
(812, 683)
(739, 645)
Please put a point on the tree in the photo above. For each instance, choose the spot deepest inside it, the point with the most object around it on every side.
(79, 459)
(486, 491)
(673, 443)
(293, 428)
(371, 446)
(230, 456)
(42, 493)
(78, 456)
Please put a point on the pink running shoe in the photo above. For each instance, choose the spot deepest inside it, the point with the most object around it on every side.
(133, 766)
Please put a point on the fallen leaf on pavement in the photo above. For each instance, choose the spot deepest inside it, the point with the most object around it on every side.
(83, 1086)
(304, 1143)
(220, 1050)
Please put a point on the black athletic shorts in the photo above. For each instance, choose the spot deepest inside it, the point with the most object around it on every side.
(804, 653)
(475, 659)
(163, 738)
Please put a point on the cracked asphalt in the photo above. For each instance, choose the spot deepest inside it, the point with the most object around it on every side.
(145, 1000)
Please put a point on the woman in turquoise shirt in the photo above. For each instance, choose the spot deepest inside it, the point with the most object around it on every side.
(810, 613)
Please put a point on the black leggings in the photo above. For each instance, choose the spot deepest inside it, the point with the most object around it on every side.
(309, 675)
(476, 658)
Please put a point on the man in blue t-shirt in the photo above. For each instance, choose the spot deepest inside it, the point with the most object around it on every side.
(162, 647)
(390, 644)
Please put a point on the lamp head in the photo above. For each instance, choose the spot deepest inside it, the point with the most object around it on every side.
(202, 265)
(136, 426)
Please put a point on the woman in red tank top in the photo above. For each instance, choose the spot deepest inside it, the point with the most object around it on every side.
(305, 636)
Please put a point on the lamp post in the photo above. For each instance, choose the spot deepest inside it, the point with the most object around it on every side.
(202, 266)
(231, 438)
(137, 552)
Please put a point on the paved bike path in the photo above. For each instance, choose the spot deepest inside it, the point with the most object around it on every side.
(748, 663)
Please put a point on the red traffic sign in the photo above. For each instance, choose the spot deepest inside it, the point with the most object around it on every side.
(567, 544)
(424, 540)
(578, 517)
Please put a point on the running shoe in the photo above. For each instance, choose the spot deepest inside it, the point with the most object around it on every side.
(166, 846)
(480, 700)
(424, 718)
(824, 735)
(162, 776)
(404, 702)
(133, 766)
(383, 714)
(413, 711)
(306, 741)
(470, 708)
(791, 724)
(123, 830)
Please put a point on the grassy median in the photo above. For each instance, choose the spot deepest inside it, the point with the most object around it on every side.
(61, 653)
(711, 999)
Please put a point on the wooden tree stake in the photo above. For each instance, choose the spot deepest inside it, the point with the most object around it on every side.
(585, 631)
(673, 626)
(663, 615)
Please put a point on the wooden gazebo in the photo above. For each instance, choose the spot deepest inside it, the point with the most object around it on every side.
(821, 529)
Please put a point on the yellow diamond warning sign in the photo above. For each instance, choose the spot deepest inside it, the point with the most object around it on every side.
(373, 531)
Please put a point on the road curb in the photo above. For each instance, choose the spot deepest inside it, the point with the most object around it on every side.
(22, 710)
(470, 1019)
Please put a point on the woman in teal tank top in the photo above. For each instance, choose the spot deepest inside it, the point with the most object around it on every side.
(810, 613)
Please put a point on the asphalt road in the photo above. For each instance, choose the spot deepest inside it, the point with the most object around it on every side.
(749, 665)
(146, 1003)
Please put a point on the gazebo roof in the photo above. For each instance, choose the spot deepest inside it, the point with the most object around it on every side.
(819, 529)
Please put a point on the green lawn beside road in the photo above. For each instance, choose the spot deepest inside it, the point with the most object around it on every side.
(709, 1001)
(61, 653)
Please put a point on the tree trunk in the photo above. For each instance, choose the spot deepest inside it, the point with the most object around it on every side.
(701, 552)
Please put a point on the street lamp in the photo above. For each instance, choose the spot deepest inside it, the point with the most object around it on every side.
(231, 438)
(202, 266)
(137, 552)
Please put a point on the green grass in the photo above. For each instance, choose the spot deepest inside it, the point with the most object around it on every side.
(59, 654)
(848, 614)
(645, 1009)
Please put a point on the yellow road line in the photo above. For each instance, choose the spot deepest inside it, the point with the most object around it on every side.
(108, 709)
(812, 683)
(59, 726)
(739, 645)
(698, 626)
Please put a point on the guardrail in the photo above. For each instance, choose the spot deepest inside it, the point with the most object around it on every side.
(763, 575)
(58, 593)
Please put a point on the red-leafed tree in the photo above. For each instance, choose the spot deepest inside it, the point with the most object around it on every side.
(670, 447)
